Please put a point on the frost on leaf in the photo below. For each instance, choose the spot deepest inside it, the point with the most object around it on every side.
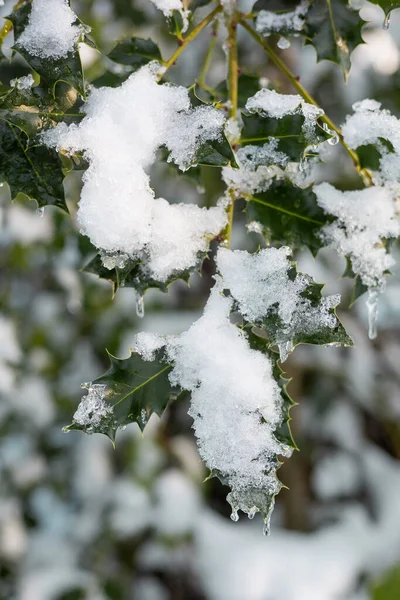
(364, 219)
(93, 413)
(288, 306)
(118, 210)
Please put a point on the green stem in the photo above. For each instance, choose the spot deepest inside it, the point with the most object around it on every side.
(189, 38)
(232, 68)
(209, 55)
(364, 173)
(233, 104)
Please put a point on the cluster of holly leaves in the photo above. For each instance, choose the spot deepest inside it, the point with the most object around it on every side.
(289, 215)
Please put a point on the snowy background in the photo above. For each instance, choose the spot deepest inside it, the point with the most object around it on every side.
(80, 520)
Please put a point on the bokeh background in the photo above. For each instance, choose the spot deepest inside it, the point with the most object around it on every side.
(80, 520)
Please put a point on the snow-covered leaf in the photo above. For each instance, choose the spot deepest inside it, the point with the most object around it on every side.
(129, 392)
(40, 47)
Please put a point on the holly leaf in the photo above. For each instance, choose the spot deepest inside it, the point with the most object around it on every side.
(176, 24)
(288, 215)
(334, 29)
(50, 69)
(133, 274)
(135, 52)
(292, 137)
(129, 392)
(35, 171)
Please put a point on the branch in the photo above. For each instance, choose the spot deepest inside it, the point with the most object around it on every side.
(233, 103)
(364, 173)
(189, 38)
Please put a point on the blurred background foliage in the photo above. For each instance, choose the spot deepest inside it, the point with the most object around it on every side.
(82, 520)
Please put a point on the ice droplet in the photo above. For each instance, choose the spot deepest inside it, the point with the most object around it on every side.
(40, 211)
(140, 307)
(372, 306)
(235, 516)
(284, 350)
(252, 512)
(386, 22)
(283, 43)
(335, 137)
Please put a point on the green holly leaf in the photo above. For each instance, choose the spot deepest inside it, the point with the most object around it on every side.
(288, 215)
(133, 274)
(51, 70)
(334, 29)
(35, 171)
(135, 52)
(176, 24)
(129, 392)
(292, 137)
(386, 5)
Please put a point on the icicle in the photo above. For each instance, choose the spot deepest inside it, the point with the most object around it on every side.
(140, 307)
(372, 306)
(40, 211)
(386, 22)
(283, 43)
(267, 519)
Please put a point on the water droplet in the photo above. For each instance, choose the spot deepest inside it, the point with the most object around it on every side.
(283, 43)
(267, 526)
(372, 306)
(335, 137)
(40, 211)
(235, 516)
(140, 307)
(386, 22)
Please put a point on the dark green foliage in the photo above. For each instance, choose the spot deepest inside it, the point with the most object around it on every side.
(135, 52)
(288, 215)
(32, 170)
